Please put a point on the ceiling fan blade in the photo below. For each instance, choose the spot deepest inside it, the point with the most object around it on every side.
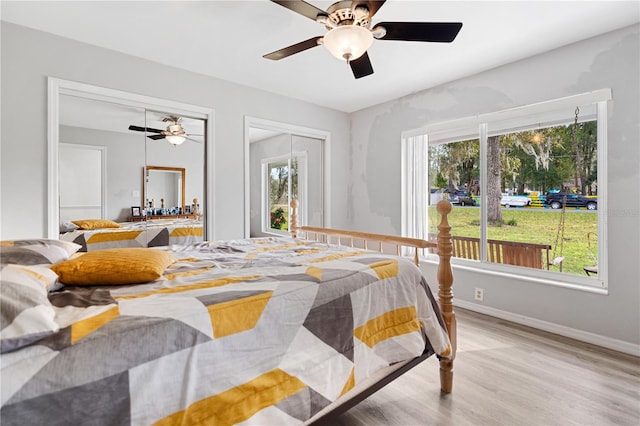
(194, 140)
(372, 5)
(294, 48)
(361, 67)
(156, 137)
(443, 32)
(144, 129)
(301, 7)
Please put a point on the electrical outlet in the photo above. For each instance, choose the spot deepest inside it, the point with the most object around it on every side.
(479, 295)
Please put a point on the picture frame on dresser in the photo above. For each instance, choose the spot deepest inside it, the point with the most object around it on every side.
(136, 211)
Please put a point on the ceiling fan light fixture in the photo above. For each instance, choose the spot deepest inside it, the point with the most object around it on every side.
(175, 139)
(348, 42)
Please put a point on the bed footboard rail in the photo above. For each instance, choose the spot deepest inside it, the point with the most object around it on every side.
(366, 240)
(443, 246)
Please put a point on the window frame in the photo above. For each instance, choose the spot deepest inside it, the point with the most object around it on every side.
(414, 181)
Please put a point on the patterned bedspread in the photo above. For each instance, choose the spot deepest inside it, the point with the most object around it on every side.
(152, 233)
(263, 331)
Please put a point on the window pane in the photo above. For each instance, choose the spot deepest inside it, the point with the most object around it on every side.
(454, 174)
(542, 197)
(278, 173)
(294, 178)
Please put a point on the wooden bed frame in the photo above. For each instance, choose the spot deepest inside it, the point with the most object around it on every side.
(443, 247)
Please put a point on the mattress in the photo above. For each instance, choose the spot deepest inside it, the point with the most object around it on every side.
(257, 331)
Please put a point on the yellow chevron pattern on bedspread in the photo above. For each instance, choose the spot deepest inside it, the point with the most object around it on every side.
(237, 315)
(393, 323)
(87, 326)
(186, 232)
(106, 237)
(191, 287)
(238, 404)
(386, 269)
(256, 332)
(175, 275)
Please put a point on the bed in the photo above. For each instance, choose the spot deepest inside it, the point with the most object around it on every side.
(256, 331)
(150, 233)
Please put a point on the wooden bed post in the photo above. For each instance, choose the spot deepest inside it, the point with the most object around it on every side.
(445, 294)
(293, 220)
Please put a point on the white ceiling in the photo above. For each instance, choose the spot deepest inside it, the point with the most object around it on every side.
(226, 39)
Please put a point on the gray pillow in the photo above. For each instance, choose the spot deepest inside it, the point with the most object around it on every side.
(67, 226)
(26, 314)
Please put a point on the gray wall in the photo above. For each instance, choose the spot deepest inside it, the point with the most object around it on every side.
(608, 61)
(29, 57)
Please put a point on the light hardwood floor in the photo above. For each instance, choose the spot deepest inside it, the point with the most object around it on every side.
(508, 374)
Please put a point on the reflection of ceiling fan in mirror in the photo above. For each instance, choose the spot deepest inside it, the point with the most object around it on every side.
(350, 33)
(174, 133)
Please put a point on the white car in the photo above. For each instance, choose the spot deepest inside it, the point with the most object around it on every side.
(515, 200)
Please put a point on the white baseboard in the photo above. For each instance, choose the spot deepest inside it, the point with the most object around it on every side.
(583, 336)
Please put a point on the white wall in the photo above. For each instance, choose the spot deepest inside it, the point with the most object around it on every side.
(28, 57)
(608, 61)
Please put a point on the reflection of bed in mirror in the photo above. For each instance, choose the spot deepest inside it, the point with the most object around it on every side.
(150, 233)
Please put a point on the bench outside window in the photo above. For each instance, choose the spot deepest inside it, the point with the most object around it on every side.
(529, 255)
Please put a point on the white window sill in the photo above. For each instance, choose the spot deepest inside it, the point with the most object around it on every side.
(556, 279)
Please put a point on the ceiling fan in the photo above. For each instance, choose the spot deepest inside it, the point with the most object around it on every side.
(350, 33)
(174, 134)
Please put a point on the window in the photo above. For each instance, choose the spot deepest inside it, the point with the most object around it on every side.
(283, 181)
(526, 185)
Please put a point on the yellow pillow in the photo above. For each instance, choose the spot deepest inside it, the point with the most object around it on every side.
(114, 266)
(95, 223)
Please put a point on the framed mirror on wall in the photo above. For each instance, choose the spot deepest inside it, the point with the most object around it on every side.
(164, 191)
(284, 162)
(99, 117)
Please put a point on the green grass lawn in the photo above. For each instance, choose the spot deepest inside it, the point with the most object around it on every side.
(533, 226)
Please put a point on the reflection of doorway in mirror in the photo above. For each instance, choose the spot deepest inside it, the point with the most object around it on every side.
(82, 181)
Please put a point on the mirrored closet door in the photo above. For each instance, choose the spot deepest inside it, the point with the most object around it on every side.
(123, 158)
(284, 164)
